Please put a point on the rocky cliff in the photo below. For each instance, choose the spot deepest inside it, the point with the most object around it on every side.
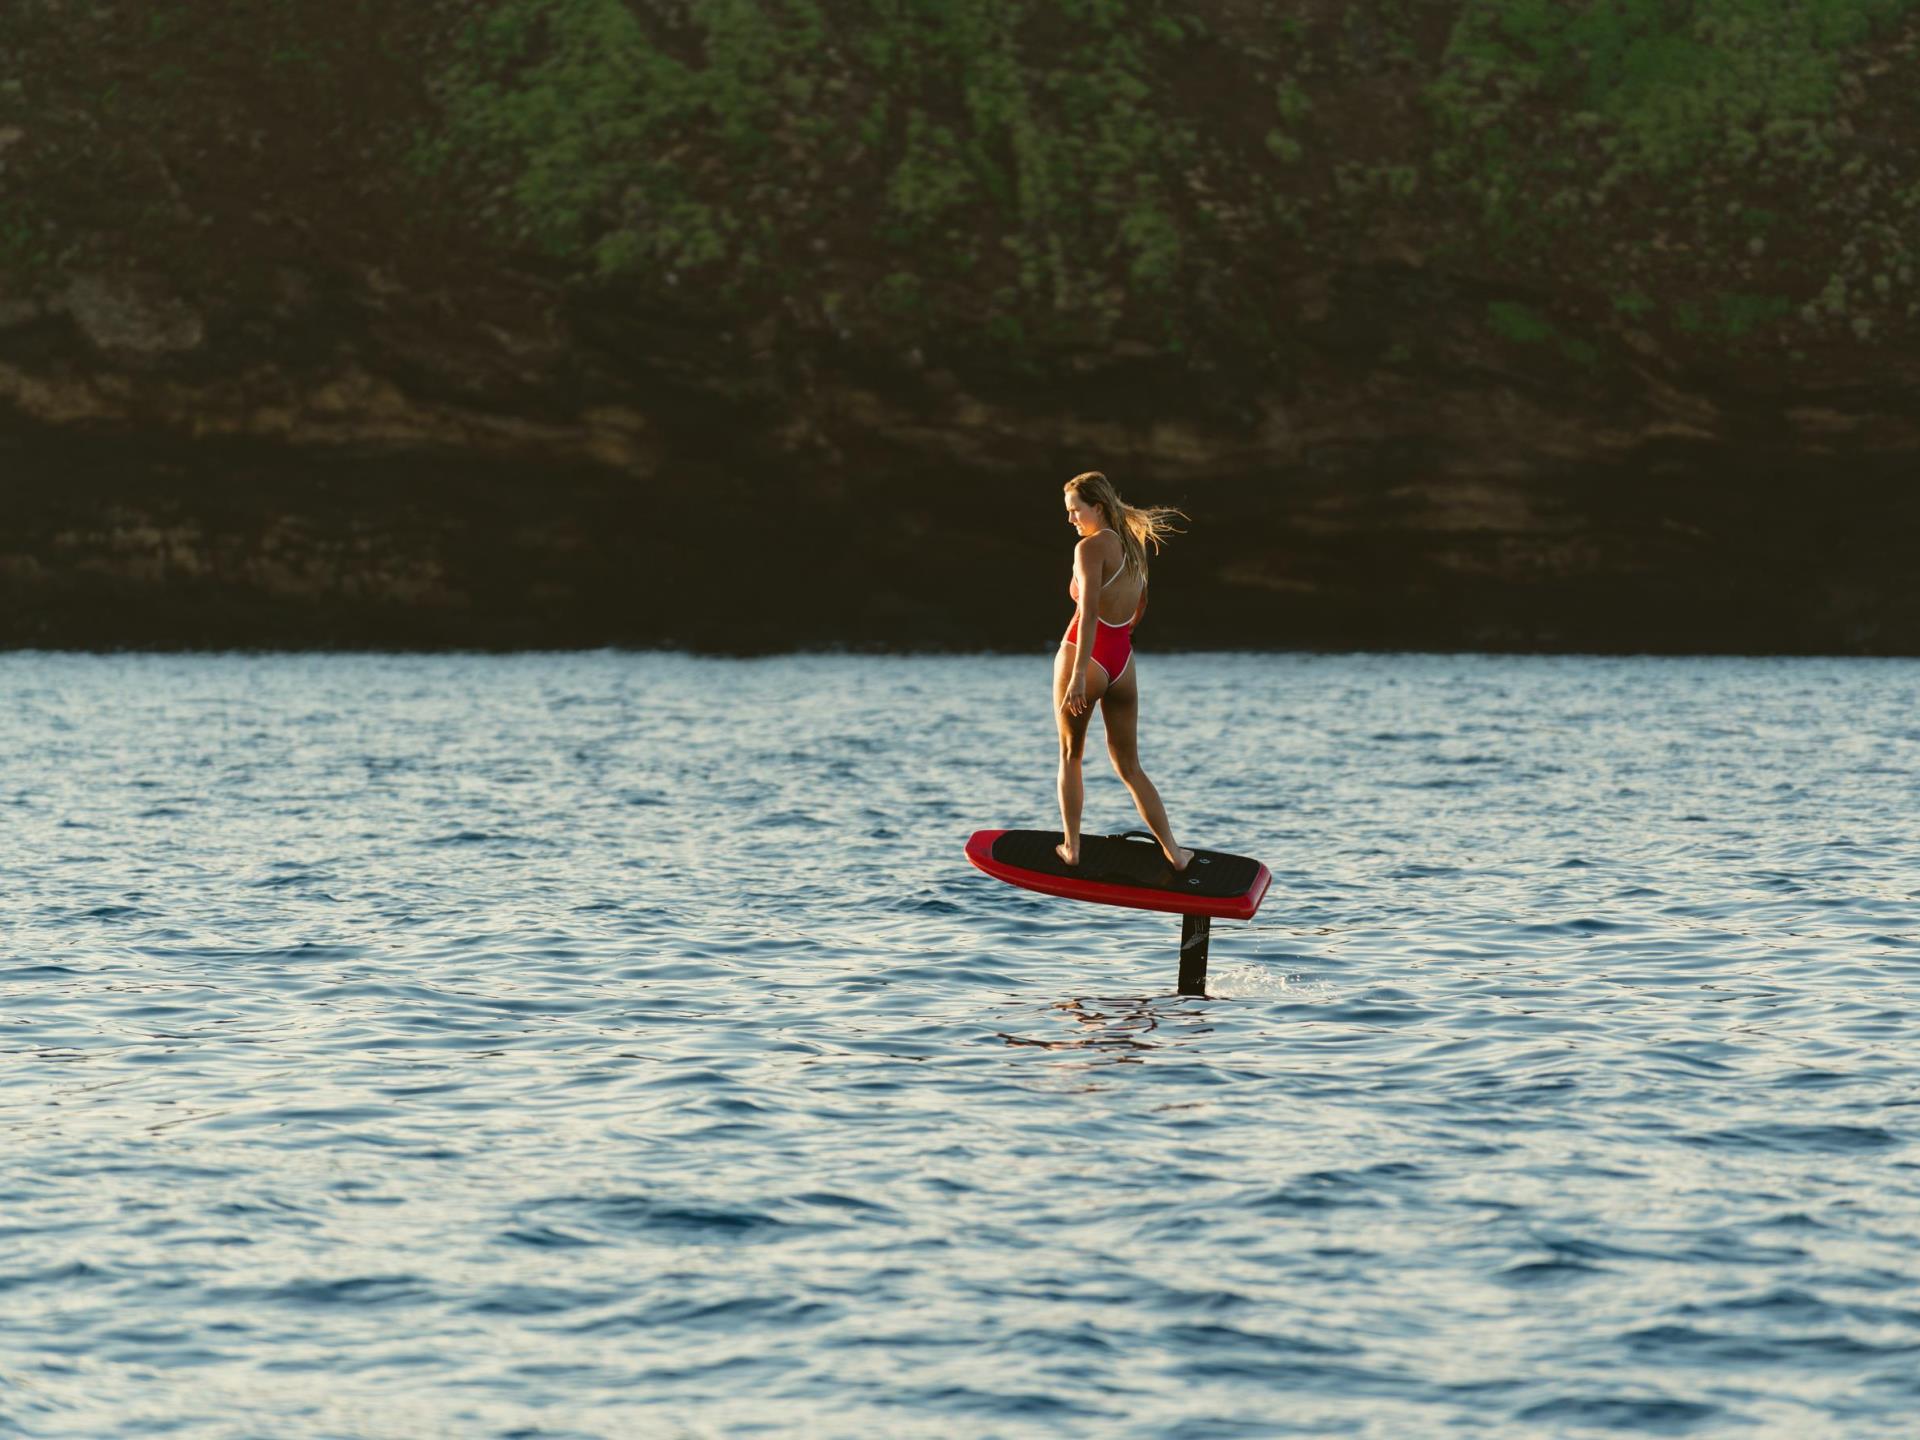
(749, 325)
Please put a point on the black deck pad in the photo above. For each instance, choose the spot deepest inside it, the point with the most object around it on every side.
(1134, 859)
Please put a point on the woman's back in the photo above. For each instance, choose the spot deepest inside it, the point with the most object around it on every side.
(1120, 583)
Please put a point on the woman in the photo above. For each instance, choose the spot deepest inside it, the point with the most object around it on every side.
(1095, 663)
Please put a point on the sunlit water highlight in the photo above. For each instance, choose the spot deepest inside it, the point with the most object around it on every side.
(618, 1045)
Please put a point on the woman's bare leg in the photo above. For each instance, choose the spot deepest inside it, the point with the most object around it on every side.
(1121, 712)
(1073, 746)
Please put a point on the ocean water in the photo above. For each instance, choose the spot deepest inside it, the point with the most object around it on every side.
(619, 1045)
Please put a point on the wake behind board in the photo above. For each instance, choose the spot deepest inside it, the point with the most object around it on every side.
(1124, 870)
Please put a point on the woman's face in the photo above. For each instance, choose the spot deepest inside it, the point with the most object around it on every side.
(1082, 516)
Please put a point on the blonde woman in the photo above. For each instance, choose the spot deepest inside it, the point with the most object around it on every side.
(1095, 663)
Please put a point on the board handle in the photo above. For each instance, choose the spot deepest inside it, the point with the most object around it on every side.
(1151, 839)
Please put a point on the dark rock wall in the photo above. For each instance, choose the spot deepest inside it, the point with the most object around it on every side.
(269, 379)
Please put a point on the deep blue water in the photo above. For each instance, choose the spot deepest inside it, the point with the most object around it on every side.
(619, 1045)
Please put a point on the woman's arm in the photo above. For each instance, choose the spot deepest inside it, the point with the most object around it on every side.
(1141, 608)
(1086, 580)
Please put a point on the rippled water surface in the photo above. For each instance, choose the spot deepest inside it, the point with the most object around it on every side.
(619, 1045)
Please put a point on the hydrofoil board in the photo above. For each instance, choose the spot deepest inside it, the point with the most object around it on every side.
(1125, 870)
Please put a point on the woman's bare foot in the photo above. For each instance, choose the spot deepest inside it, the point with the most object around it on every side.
(1068, 857)
(1186, 859)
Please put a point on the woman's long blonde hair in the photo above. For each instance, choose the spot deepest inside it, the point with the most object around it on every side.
(1138, 526)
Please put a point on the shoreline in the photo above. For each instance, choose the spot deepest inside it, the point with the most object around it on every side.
(129, 541)
(848, 652)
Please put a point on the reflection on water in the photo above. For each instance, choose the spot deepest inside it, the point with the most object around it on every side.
(607, 1045)
(1118, 1026)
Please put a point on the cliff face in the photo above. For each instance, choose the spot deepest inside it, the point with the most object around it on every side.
(751, 325)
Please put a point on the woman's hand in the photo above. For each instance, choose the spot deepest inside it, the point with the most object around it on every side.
(1075, 702)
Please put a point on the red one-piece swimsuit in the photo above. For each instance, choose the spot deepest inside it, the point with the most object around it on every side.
(1112, 644)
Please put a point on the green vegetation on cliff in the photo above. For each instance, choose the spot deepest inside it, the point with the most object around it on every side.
(1035, 170)
(940, 137)
(1039, 177)
(1659, 87)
